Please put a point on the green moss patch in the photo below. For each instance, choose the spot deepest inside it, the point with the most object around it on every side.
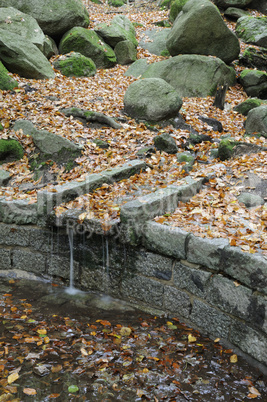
(10, 150)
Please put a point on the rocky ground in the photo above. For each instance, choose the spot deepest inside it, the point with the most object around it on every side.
(214, 212)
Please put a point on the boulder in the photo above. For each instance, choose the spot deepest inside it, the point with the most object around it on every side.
(232, 3)
(6, 82)
(151, 99)
(256, 123)
(249, 104)
(252, 30)
(125, 52)
(254, 58)
(157, 41)
(55, 17)
(50, 146)
(200, 29)
(254, 83)
(137, 68)
(235, 13)
(250, 199)
(164, 142)
(192, 75)
(88, 43)
(75, 65)
(118, 30)
(22, 57)
(13, 20)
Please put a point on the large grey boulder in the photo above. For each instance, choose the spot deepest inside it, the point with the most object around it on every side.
(151, 99)
(88, 43)
(120, 29)
(137, 68)
(256, 123)
(254, 58)
(156, 43)
(254, 83)
(192, 75)
(55, 17)
(232, 3)
(200, 29)
(6, 82)
(252, 30)
(21, 56)
(23, 25)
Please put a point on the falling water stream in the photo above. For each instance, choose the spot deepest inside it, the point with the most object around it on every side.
(71, 290)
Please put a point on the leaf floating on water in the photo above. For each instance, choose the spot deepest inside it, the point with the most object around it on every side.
(73, 388)
(12, 377)
(191, 338)
(254, 393)
(233, 359)
(125, 331)
(29, 391)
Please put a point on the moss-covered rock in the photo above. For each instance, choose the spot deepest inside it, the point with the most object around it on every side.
(10, 150)
(252, 30)
(247, 105)
(256, 123)
(88, 43)
(6, 82)
(226, 148)
(119, 29)
(254, 58)
(254, 83)
(75, 65)
(176, 7)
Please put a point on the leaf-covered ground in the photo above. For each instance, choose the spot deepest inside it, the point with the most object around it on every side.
(215, 212)
(70, 348)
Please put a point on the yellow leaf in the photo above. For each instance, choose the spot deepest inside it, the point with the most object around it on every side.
(12, 377)
(191, 338)
(42, 331)
(233, 359)
(145, 370)
(84, 352)
(217, 340)
(254, 391)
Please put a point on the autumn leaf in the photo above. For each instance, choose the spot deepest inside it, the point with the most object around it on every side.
(12, 377)
(233, 358)
(191, 338)
(125, 331)
(29, 391)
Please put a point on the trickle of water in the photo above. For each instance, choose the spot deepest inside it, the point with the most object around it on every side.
(107, 256)
(71, 289)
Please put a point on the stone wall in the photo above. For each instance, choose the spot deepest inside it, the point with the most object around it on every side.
(215, 287)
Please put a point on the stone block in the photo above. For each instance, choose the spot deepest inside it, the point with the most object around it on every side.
(249, 341)
(143, 289)
(192, 279)
(211, 320)
(154, 265)
(41, 240)
(29, 261)
(18, 211)
(60, 266)
(13, 235)
(257, 312)
(228, 297)
(177, 302)
(249, 269)
(206, 252)
(164, 239)
(5, 261)
(160, 202)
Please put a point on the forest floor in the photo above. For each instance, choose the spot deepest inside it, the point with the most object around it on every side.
(214, 212)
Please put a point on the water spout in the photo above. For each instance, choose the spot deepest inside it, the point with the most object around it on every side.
(71, 289)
